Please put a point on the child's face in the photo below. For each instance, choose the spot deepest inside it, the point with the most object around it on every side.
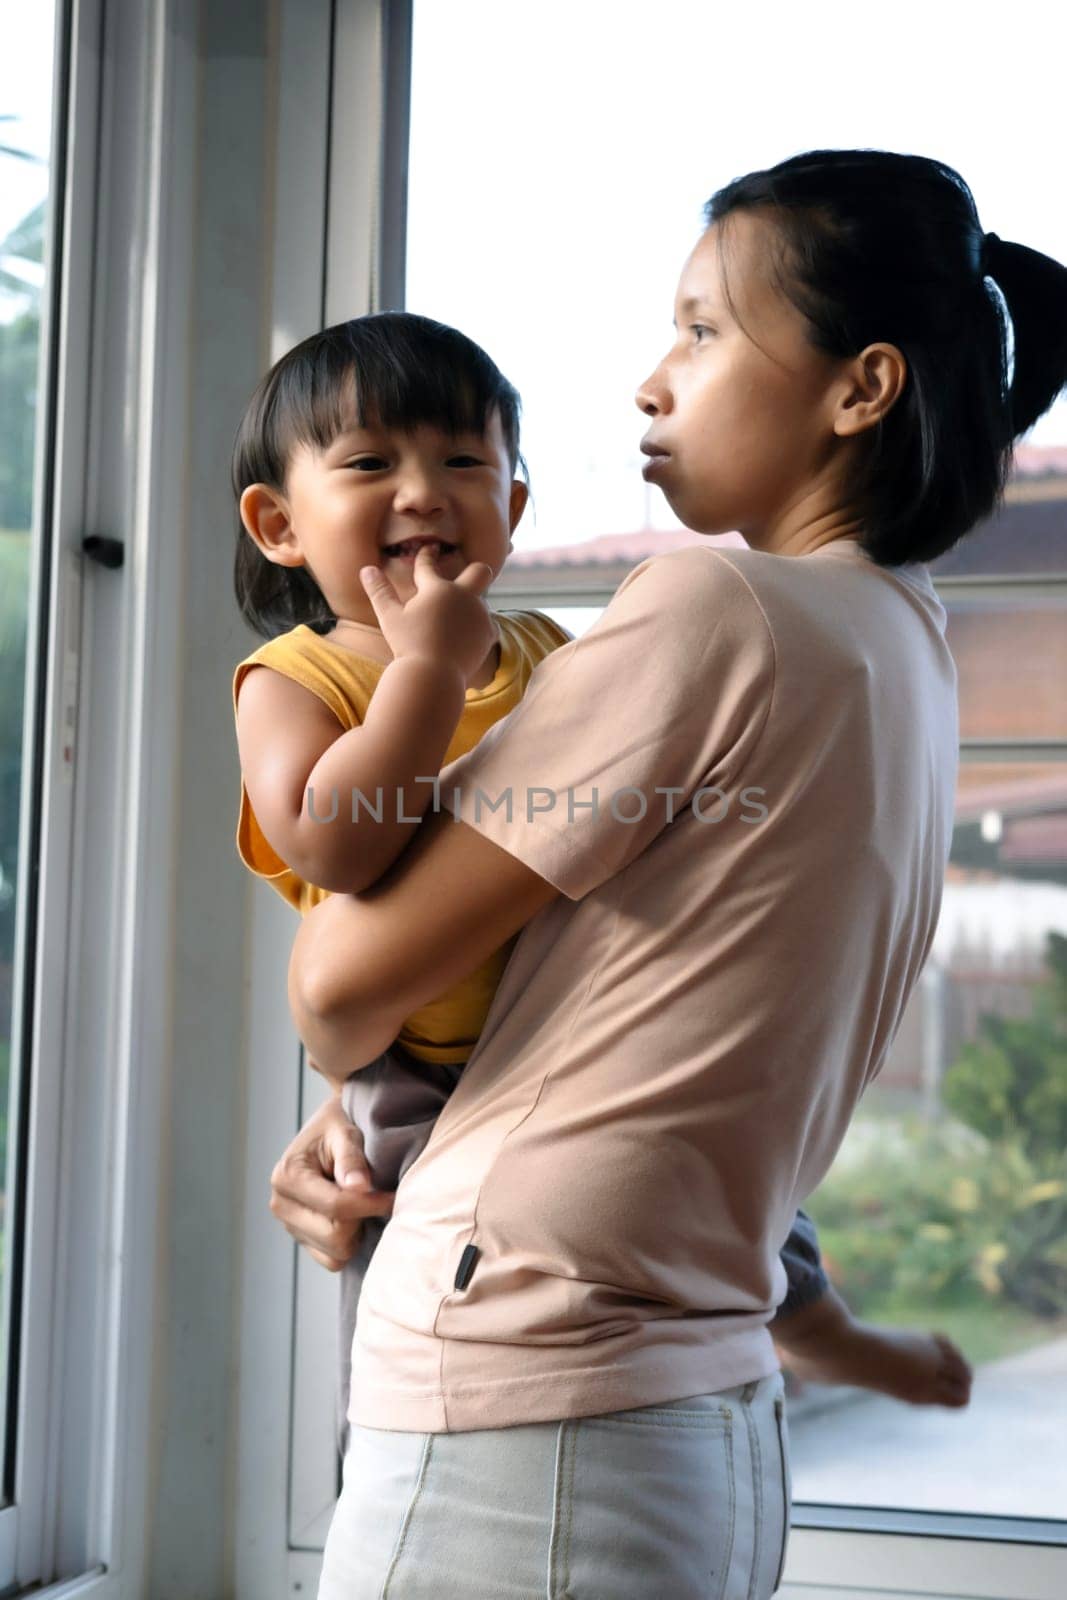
(748, 431)
(374, 494)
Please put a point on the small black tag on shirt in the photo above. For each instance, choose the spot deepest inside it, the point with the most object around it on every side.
(466, 1266)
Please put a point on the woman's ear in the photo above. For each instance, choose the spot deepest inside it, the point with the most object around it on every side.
(520, 494)
(872, 386)
(265, 515)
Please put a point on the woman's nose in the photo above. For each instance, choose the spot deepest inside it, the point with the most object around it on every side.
(653, 397)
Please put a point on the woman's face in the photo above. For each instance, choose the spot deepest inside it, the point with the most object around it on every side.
(748, 433)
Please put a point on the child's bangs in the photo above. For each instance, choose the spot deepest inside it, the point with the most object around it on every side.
(395, 378)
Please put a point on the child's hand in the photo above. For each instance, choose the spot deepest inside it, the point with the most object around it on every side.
(445, 621)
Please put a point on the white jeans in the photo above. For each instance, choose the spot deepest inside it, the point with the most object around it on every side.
(687, 1499)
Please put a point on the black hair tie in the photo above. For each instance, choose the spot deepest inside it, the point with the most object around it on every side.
(990, 244)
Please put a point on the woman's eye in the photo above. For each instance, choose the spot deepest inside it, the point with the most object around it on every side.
(698, 328)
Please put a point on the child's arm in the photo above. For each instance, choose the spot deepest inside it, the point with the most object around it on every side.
(290, 743)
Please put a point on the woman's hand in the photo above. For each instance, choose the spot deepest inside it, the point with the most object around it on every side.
(321, 1187)
(446, 621)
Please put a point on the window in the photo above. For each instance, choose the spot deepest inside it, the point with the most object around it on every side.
(564, 154)
(26, 195)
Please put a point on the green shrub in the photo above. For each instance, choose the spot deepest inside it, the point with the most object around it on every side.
(933, 1227)
(929, 1215)
(1011, 1083)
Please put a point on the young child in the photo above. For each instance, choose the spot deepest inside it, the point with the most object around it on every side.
(392, 441)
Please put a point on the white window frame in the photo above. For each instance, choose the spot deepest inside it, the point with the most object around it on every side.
(833, 1550)
(347, 173)
(837, 1550)
(110, 1182)
(117, 1327)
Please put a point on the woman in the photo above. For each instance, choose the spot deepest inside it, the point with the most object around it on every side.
(731, 805)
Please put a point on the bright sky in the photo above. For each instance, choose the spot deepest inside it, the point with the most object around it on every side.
(562, 150)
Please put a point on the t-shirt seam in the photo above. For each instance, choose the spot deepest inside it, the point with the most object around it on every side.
(578, 1008)
(722, 556)
(550, 837)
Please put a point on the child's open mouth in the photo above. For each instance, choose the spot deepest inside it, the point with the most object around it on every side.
(408, 549)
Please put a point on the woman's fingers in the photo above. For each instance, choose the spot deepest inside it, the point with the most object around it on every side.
(321, 1187)
(330, 1231)
(300, 1176)
(332, 1243)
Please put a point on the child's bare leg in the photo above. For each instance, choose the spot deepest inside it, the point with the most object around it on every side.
(824, 1343)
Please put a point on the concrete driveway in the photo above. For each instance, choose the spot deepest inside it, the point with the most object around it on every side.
(1004, 1455)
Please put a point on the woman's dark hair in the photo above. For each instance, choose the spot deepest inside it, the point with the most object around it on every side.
(394, 369)
(878, 247)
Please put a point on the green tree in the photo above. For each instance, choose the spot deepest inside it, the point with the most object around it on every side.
(19, 347)
(1010, 1085)
(25, 243)
(976, 1204)
(22, 248)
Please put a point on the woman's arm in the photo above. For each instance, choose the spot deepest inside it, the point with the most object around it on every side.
(360, 966)
(668, 690)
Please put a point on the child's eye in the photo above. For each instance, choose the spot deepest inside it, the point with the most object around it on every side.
(369, 463)
(464, 461)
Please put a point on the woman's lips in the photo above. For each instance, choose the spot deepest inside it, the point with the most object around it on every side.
(654, 466)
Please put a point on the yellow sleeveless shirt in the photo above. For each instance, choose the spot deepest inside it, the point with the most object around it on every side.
(447, 1029)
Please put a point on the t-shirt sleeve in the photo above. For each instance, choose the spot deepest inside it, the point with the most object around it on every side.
(666, 694)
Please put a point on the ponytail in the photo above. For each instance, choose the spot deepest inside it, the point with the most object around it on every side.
(1034, 287)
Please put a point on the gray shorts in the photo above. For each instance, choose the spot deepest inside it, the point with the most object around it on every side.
(687, 1499)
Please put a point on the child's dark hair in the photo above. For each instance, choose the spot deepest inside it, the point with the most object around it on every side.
(394, 369)
(879, 247)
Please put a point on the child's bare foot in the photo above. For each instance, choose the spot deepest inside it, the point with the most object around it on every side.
(924, 1369)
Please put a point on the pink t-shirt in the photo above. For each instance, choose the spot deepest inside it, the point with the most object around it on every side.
(680, 1040)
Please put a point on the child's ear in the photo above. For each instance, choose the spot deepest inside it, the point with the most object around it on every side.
(520, 494)
(266, 519)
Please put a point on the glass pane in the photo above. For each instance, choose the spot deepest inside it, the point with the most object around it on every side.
(1011, 656)
(566, 274)
(576, 619)
(564, 255)
(25, 135)
(1029, 535)
(946, 1209)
